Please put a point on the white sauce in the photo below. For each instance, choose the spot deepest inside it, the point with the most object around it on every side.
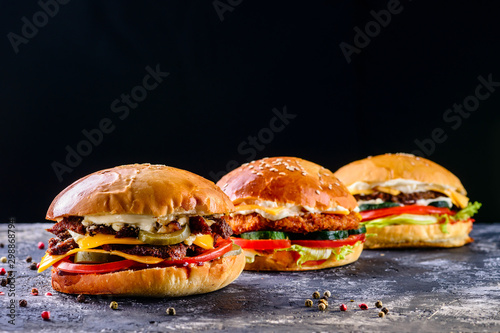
(403, 185)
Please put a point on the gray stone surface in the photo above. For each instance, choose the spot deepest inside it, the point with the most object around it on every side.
(441, 290)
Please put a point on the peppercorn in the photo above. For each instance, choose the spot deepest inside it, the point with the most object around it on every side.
(351, 300)
(171, 311)
(113, 305)
(327, 293)
(41, 246)
(3, 259)
(3, 283)
(9, 280)
(309, 303)
(33, 266)
(48, 294)
(343, 307)
(34, 291)
(324, 301)
(321, 306)
(2, 271)
(29, 259)
(23, 303)
(46, 315)
(381, 314)
(324, 297)
(385, 310)
(316, 294)
(1, 245)
(80, 298)
(363, 306)
(9, 273)
(378, 304)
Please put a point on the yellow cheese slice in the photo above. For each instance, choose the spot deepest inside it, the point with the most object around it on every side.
(89, 242)
(458, 199)
(269, 210)
(204, 241)
(48, 260)
(387, 190)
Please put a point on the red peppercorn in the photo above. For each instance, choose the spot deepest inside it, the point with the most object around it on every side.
(46, 315)
(2, 293)
(2, 271)
(363, 306)
(41, 246)
(48, 294)
(343, 307)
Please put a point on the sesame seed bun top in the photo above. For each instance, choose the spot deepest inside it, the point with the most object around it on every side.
(146, 189)
(398, 166)
(286, 180)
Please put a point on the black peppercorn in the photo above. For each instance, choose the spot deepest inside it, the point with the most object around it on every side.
(171, 311)
(33, 266)
(385, 310)
(29, 259)
(1, 245)
(80, 298)
(3, 283)
(23, 303)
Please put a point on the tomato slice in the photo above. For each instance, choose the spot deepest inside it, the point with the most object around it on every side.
(351, 240)
(66, 265)
(262, 244)
(313, 262)
(412, 209)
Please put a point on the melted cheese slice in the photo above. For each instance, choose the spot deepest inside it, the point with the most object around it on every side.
(88, 243)
(275, 211)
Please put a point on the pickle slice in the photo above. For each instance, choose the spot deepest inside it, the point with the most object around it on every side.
(233, 252)
(84, 257)
(165, 239)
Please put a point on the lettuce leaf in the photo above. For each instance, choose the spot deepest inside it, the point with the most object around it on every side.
(467, 212)
(307, 253)
(401, 219)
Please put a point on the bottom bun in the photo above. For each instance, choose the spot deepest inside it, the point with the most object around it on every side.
(407, 235)
(154, 282)
(286, 261)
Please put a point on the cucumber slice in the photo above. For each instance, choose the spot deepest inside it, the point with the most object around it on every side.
(361, 230)
(264, 235)
(84, 257)
(165, 239)
(233, 252)
(363, 207)
(328, 235)
(441, 204)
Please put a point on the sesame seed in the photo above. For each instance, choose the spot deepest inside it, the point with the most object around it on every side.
(303, 173)
(244, 164)
(253, 171)
(250, 166)
(317, 191)
(282, 173)
(260, 174)
(274, 169)
(330, 186)
(261, 167)
(279, 159)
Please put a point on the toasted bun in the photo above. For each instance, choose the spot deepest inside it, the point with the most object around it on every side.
(155, 282)
(286, 261)
(287, 180)
(140, 189)
(406, 235)
(385, 167)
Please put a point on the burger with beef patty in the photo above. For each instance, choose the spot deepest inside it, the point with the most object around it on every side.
(141, 230)
(409, 201)
(292, 215)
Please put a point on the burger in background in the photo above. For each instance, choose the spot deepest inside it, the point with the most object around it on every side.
(409, 201)
(292, 215)
(141, 230)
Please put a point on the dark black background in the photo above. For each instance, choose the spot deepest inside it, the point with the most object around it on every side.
(225, 78)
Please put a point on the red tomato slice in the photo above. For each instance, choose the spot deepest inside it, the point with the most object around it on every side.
(412, 209)
(351, 240)
(313, 262)
(262, 244)
(67, 266)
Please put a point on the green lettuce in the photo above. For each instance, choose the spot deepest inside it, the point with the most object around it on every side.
(467, 212)
(307, 253)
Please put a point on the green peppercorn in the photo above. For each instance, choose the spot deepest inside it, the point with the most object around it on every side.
(378, 304)
(171, 311)
(113, 305)
(381, 314)
(321, 306)
(327, 293)
(23, 303)
(3, 259)
(316, 294)
(309, 303)
(385, 310)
